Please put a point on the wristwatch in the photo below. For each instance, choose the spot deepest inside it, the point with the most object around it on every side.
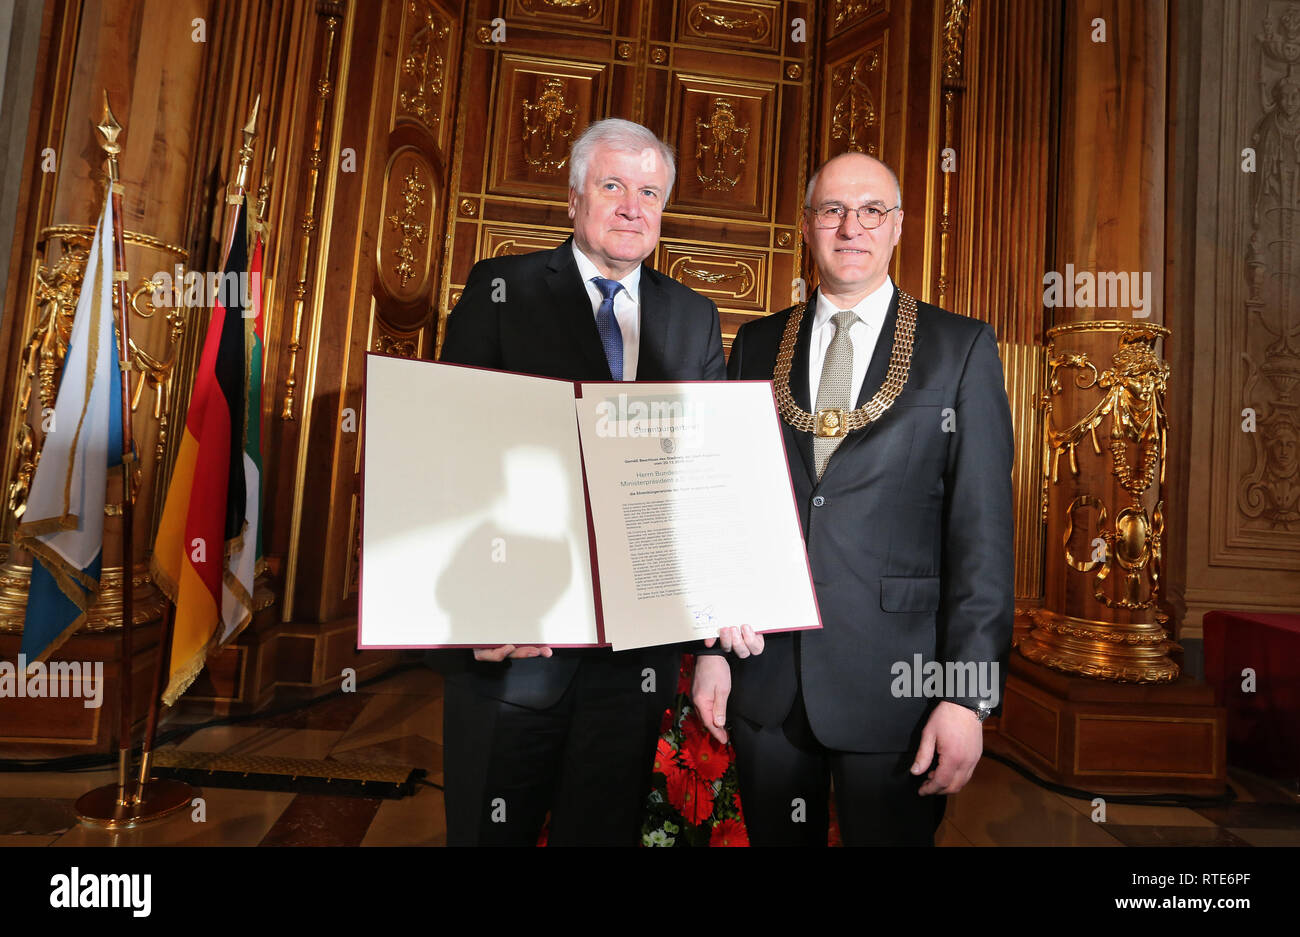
(982, 711)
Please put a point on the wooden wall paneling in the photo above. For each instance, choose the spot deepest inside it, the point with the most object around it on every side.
(1000, 215)
(715, 79)
(335, 320)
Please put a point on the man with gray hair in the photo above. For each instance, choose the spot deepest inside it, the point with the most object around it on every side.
(529, 730)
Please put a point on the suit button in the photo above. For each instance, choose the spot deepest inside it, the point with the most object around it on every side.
(818, 501)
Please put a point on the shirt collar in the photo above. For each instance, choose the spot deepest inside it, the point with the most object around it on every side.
(587, 270)
(871, 309)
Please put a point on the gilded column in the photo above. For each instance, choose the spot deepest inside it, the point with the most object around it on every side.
(1104, 429)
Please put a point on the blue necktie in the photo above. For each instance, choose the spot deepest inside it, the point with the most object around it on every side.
(611, 336)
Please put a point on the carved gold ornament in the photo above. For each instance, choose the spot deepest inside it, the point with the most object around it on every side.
(853, 114)
(423, 65)
(835, 422)
(549, 122)
(711, 19)
(1132, 397)
(405, 221)
(717, 142)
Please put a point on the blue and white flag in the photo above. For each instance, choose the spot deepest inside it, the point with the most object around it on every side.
(63, 525)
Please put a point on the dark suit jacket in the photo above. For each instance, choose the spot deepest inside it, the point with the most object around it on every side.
(545, 326)
(909, 535)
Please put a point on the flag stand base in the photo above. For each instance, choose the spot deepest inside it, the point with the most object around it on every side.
(162, 797)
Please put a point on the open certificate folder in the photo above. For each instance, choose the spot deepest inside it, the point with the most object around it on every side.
(502, 508)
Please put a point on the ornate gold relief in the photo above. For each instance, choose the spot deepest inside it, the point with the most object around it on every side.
(540, 106)
(406, 220)
(724, 131)
(747, 24)
(659, 55)
(586, 13)
(104, 615)
(502, 240)
(57, 286)
(734, 278)
(955, 14)
(406, 346)
(548, 125)
(720, 143)
(847, 13)
(1132, 392)
(855, 122)
(423, 64)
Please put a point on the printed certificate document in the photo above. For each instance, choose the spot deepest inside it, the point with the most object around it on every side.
(696, 526)
(502, 508)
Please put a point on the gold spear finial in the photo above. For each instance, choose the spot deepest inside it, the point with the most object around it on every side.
(246, 151)
(110, 130)
(264, 190)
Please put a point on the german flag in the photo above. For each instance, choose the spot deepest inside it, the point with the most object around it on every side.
(203, 516)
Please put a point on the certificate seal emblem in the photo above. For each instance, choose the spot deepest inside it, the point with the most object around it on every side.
(668, 445)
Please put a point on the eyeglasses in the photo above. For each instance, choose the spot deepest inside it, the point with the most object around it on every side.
(832, 216)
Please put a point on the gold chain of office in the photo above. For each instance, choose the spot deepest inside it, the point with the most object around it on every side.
(833, 421)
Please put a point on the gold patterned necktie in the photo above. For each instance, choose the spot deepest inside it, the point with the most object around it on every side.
(836, 384)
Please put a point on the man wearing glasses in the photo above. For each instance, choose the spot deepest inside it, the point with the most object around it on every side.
(898, 434)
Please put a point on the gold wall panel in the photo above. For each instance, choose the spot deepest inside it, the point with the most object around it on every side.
(541, 107)
(733, 278)
(853, 97)
(756, 25)
(404, 248)
(587, 15)
(845, 14)
(505, 240)
(723, 132)
(427, 56)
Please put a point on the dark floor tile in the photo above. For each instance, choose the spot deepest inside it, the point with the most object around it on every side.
(413, 750)
(317, 820)
(336, 713)
(36, 815)
(1174, 836)
(1265, 790)
(1255, 816)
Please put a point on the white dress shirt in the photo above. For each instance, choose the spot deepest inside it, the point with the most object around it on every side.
(871, 311)
(627, 307)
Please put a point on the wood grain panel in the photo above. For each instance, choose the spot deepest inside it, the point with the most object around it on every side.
(541, 107)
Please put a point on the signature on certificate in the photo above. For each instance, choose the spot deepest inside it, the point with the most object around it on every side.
(704, 617)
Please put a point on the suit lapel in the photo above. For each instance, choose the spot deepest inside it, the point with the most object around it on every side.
(572, 306)
(799, 384)
(652, 351)
(873, 381)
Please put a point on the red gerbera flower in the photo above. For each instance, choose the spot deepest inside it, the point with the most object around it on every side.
(693, 800)
(703, 753)
(686, 674)
(666, 762)
(666, 722)
(729, 833)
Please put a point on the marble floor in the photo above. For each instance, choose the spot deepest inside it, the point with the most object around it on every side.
(399, 720)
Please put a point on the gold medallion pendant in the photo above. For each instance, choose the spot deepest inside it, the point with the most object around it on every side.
(832, 422)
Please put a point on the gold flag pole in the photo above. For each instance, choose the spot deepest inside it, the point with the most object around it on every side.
(114, 806)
